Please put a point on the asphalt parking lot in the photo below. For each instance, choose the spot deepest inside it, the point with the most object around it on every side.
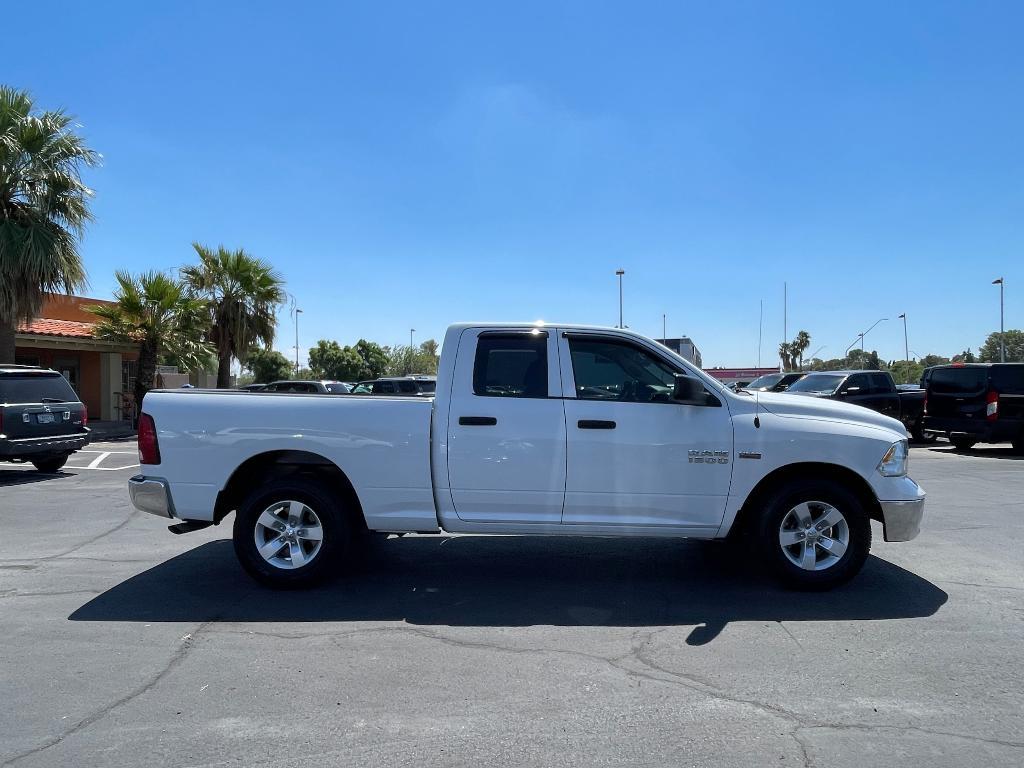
(125, 645)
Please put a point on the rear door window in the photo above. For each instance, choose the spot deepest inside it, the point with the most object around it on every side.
(36, 388)
(957, 380)
(407, 388)
(383, 387)
(880, 384)
(514, 365)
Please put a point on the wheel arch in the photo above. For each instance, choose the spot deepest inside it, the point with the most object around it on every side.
(273, 465)
(754, 503)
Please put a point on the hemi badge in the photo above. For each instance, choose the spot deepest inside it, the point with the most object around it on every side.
(749, 455)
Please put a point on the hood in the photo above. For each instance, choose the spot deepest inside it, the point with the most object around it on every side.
(821, 408)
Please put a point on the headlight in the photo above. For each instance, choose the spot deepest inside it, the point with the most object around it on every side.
(894, 463)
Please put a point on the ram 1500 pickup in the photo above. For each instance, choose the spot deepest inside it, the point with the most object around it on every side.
(534, 429)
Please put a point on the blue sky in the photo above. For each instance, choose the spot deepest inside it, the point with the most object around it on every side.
(414, 164)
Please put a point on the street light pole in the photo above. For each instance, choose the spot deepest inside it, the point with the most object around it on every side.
(1002, 337)
(297, 313)
(411, 332)
(906, 346)
(620, 273)
(664, 327)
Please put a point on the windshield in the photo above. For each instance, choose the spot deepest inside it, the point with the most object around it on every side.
(765, 382)
(818, 383)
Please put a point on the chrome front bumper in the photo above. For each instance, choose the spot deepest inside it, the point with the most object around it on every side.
(901, 520)
(151, 494)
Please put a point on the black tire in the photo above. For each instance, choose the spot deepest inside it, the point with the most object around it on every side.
(336, 546)
(918, 435)
(788, 496)
(962, 442)
(51, 464)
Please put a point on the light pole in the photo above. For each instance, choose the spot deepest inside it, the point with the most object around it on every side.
(411, 332)
(664, 328)
(906, 346)
(811, 356)
(297, 313)
(620, 273)
(861, 336)
(1002, 345)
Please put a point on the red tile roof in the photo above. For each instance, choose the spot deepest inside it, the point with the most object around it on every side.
(42, 326)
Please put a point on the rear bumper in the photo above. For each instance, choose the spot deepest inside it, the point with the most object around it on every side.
(999, 431)
(27, 447)
(152, 495)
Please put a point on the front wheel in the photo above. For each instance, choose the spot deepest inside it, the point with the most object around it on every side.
(292, 533)
(814, 534)
(50, 465)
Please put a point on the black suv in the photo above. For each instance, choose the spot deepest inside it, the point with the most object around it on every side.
(41, 418)
(976, 403)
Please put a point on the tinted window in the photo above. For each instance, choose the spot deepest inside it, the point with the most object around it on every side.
(765, 382)
(383, 387)
(511, 366)
(822, 383)
(337, 388)
(958, 380)
(407, 387)
(880, 384)
(35, 388)
(859, 380)
(1008, 378)
(427, 386)
(611, 370)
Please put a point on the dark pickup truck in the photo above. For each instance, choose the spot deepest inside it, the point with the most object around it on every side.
(977, 403)
(872, 389)
(42, 421)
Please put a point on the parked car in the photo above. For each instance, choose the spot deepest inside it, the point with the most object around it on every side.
(568, 430)
(977, 403)
(774, 382)
(397, 385)
(735, 386)
(253, 388)
(307, 387)
(42, 421)
(872, 389)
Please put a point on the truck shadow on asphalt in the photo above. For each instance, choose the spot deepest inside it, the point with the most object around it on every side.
(28, 476)
(981, 452)
(514, 581)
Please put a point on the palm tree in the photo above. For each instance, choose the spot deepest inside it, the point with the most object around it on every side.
(800, 345)
(43, 209)
(242, 295)
(159, 314)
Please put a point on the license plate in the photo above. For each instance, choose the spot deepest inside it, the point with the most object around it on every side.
(44, 418)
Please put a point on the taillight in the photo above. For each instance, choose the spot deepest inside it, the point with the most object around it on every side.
(925, 402)
(992, 405)
(149, 448)
(85, 415)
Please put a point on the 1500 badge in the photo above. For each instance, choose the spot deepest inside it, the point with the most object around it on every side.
(708, 457)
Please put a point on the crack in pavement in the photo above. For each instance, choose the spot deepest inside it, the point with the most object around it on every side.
(176, 659)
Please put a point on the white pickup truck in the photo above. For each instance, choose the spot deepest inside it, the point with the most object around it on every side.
(534, 429)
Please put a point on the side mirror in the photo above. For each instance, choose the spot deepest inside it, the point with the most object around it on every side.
(688, 390)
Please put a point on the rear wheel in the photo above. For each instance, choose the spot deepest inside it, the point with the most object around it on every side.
(918, 434)
(962, 442)
(51, 464)
(814, 534)
(292, 532)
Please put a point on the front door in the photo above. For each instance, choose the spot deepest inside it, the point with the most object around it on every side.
(506, 428)
(635, 456)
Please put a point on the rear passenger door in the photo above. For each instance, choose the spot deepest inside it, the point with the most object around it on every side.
(857, 390)
(885, 399)
(506, 428)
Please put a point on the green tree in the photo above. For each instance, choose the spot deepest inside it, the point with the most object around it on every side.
(43, 209)
(405, 360)
(929, 360)
(799, 345)
(267, 365)
(989, 351)
(374, 356)
(328, 360)
(159, 314)
(242, 295)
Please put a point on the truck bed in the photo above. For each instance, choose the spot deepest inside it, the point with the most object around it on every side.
(383, 443)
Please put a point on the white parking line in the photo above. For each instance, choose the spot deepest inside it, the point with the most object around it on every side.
(98, 460)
